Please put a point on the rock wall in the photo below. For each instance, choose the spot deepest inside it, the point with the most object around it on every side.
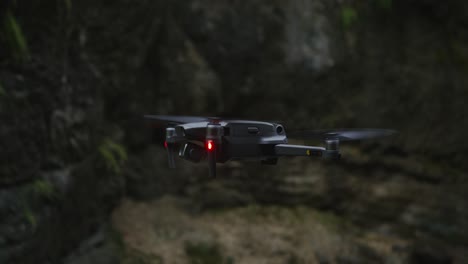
(56, 186)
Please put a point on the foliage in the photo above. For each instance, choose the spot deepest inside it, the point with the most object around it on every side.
(334, 222)
(44, 189)
(30, 217)
(293, 259)
(113, 154)
(349, 16)
(15, 38)
(133, 256)
(68, 5)
(204, 253)
(128, 255)
(385, 4)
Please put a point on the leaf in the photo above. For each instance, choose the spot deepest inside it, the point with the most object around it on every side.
(16, 37)
(30, 217)
(45, 189)
(109, 158)
(117, 148)
(114, 154)
(385, 4)
(348, 16)
(68, 5)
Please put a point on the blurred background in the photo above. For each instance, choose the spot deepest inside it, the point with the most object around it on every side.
(83, 179)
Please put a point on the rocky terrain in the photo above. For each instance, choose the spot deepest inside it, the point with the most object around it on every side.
(84, 180)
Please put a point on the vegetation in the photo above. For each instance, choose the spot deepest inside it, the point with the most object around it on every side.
(385, 4)
(205, 253)
(68, 5)
(30, 217)
(129, 255)
(132, 256)
(14, 37)
(114, 155)
(349, 16)
(43, 188)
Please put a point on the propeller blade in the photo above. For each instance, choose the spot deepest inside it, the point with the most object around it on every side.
(342, 134)
(164, 119)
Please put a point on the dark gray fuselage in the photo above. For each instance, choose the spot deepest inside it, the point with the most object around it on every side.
(242, 139)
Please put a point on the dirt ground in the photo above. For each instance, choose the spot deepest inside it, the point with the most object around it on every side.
(168, 232)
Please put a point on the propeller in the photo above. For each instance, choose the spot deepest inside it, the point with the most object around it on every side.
(167, 119)
(342, 134)
(332, 137)
(164, 120)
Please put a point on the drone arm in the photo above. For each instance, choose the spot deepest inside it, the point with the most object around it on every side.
(299, 150)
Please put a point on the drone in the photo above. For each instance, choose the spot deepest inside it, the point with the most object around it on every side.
(220, 140)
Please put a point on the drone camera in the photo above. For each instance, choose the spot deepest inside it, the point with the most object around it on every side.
(192, 152)
(279, 130)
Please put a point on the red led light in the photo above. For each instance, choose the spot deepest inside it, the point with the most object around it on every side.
(165, 144)
(209, 145)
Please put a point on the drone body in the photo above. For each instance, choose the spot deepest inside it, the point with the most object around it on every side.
(197, 138)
